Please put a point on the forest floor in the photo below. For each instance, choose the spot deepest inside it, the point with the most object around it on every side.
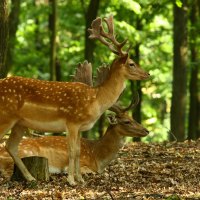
(142, 171)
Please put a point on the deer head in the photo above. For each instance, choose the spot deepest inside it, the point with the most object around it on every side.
(122, 64)
(126, 125)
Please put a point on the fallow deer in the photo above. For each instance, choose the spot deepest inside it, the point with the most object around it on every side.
(63, 106)
(95, 154)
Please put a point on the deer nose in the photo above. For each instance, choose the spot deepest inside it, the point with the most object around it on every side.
(147, 73)
(146, 131)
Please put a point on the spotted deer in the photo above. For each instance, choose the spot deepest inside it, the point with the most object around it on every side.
(50, 106)
(95, 154)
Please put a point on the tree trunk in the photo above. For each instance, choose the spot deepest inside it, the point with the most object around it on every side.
(136, 113)
(193, 85)
(4, 34)
(13, 24)
(37, 166)
(58, 70)
(179, 73)
(38, 41)
(136, 86)
(90, 15)
(198, 100)
(52, 29)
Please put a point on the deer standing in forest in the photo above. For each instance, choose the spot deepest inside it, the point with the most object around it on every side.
(63, 106)
(95, 154)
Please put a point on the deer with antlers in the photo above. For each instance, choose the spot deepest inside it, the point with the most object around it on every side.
(95, 154)
(63, 106)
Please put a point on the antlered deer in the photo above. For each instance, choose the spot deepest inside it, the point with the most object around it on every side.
(95, 154)
(63, 106)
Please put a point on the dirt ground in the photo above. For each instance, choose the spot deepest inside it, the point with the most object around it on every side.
(141, 171)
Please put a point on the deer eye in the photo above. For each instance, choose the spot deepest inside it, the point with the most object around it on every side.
(132, 65)
(127, 122)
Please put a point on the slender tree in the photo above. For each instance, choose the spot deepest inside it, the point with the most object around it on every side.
(3, 36)
(180, 50)
(90, 15)
(12, 28)
(37, 38)
(52, 28)
(198, 103)
(136, 86)
(193, 132)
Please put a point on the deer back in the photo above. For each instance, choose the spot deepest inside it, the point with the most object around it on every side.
(67, 99)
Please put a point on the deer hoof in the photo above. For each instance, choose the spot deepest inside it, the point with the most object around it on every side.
(80, 179)
(71, 181)
(30, 179)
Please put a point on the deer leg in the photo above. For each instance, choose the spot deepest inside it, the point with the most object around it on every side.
(12, 148)
(5, 126)
(73, 134)
(78, 175)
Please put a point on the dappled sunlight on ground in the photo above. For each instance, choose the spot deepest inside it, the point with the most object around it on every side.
(141, 171)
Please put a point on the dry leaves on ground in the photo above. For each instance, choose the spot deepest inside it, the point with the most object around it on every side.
(141, 171)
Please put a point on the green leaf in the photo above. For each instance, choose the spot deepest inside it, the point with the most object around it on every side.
(132, 5)
(179, 3)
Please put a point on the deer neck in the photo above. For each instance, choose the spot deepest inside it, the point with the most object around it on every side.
(106, 149)
(110, 90)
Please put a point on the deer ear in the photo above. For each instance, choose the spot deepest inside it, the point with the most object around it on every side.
(112, 119)
(124, 58)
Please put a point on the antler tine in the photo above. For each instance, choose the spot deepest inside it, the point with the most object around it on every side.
(83, 73)
(102, 73)
(97, 32)
(135, 100)
(111, 36)
(118, 109)
(109, 22)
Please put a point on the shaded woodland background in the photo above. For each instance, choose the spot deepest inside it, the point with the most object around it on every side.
(46, 39)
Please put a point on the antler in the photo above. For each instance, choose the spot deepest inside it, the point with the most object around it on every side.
(97, 32)
(84, 73)
(134, 102)
(102, 73)
(118, 109)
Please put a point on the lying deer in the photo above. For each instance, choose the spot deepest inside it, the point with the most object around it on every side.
(63, 106)
(95, 154)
